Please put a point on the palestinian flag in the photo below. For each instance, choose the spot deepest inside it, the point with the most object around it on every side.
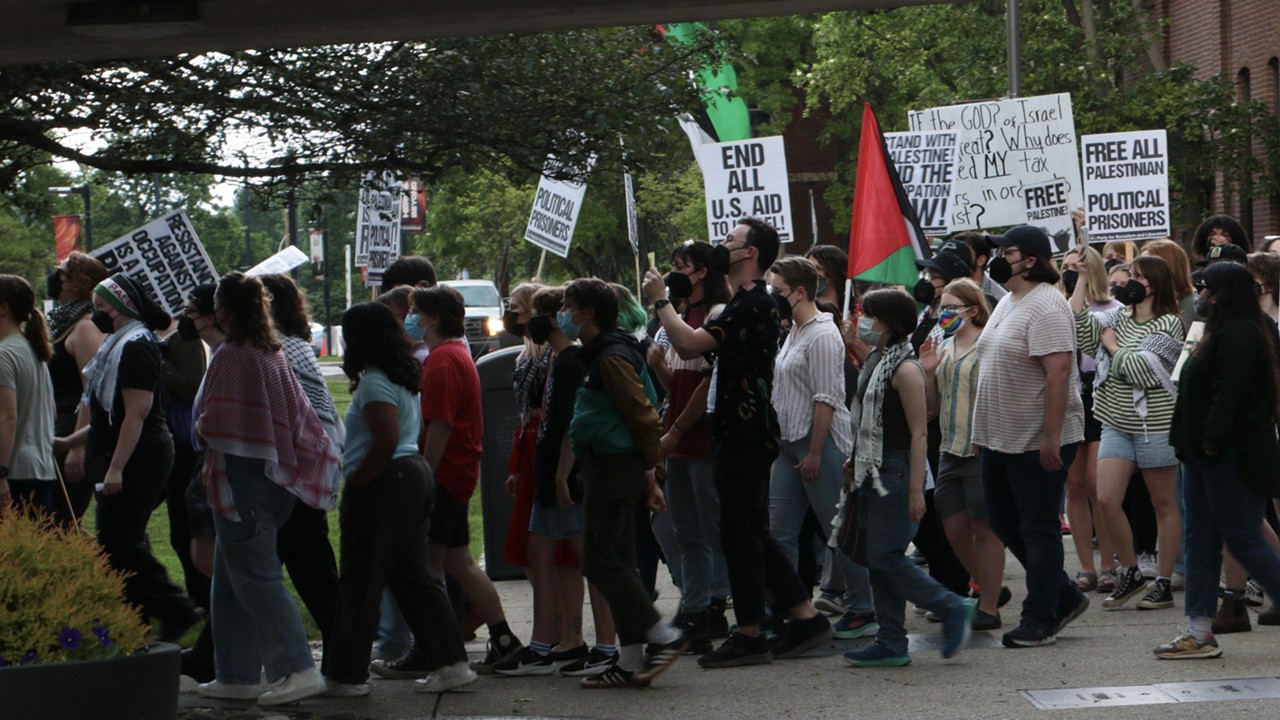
(885, 239)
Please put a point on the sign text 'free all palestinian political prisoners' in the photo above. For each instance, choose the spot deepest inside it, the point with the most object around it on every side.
(1005, 145)
(1048, 209)
(378, 226)
(926, 163)
(165, 255)
(556, 207)
(746, 178)
(1126, 185)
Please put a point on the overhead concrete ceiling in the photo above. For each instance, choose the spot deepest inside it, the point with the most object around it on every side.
(41, 31)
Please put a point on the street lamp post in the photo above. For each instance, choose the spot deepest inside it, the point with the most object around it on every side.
(83, 192)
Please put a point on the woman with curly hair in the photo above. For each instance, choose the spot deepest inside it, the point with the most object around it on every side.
(1217, 230)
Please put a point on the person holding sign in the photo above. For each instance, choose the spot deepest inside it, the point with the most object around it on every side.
(744, 444)
(1223, 430)
(1134, 401)
(1219, 230)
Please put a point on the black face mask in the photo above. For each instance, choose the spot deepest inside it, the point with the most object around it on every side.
(784, 307)
(923, 292)
(1131, 293)
(1201, 307)
(679, 286)
(1108, 264)
(539, 328)
(511, 323)
(187, 329)
(54, 285)
(102, 321)
(720, 259)
(1069, 280)
(1000, 270)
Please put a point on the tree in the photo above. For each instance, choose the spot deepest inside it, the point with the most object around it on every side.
(283, 116)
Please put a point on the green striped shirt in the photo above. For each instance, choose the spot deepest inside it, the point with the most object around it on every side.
(957, 386)
(1113, 400)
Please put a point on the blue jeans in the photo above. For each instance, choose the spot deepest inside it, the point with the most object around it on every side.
(884, 529)
(255, 621)
(694, 509)
(1022, 505)
(790, 497)
(1221, 507)
(394, 636)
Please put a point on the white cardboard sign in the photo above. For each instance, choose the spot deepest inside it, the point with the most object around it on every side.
(556, 208)
(926, 163)
(1126, 185)
(1004, 146)
(378, 226)
(746, 178)
(165, 255)
(280, 263)
(1048, 210)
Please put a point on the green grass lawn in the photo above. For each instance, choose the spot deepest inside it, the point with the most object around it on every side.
(158, 529)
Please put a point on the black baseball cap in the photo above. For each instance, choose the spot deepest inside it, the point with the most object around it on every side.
(1231, 252)
(200, 299)
(953, 260)
(1029, 238)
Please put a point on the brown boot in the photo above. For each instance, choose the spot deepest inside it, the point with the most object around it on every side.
(1270, 616)
(1233, 617)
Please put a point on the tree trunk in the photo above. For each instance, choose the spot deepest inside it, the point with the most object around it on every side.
(1155, 51)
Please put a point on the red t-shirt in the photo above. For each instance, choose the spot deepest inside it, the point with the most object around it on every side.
(451, 393)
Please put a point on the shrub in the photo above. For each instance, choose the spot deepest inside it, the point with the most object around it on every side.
(59, 600)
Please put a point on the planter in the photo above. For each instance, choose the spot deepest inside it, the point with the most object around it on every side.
(135, 687)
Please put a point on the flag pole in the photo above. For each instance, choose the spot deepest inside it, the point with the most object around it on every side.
(537, 277)
(639, 292)
(848, 294)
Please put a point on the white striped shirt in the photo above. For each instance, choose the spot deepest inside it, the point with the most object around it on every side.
(810, 369)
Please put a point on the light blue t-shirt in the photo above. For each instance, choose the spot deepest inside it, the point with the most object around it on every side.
(376, 387)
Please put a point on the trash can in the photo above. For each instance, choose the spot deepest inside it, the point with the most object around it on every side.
(501, 421)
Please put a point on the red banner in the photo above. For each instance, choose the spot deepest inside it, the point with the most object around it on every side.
(413, 206)
(66, 235)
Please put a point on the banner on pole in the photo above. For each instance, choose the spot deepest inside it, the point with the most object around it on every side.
(280, 263)
(317, 253)
(66, 235)
(378, 214)
(633, 227)
(165, 255)
(1006, 145)
(1126, 185)
(1047, 209)
(926, 163)
(556, 208)
(746, 178)
(413, 206)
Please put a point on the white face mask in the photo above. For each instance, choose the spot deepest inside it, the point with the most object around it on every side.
(869, 336)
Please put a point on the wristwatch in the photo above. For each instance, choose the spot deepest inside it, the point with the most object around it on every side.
(661, 303)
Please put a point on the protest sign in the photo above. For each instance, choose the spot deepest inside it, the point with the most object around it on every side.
(1004, 146)
(1126, 185)
(1048, 210)
(633, 229)
(926, 163)
(280, 263)
(413, 206)
(165, 255)
(746, 178)
(556, 207)
(378, 215)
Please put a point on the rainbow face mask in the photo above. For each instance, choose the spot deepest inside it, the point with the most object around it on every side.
(950, 321)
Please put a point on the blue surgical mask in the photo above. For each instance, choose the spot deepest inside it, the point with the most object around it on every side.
(822, 286)
(564, 319)
(869, 336)
(412, 328)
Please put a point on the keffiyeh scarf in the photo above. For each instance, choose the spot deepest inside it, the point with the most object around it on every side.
(64, 316)
(104, 369)
(867, 413)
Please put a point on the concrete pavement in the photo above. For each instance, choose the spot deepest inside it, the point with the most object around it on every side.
(1103, 648)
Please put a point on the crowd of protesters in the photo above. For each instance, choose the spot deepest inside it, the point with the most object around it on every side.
(744, 429)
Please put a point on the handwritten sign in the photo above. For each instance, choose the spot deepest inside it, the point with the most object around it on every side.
(1004, 146)
(746, 178)
(1126, 185)
(1047, 209)
(165, 256)
(926, 163)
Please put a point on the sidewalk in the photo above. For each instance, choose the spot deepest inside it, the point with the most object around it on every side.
(1102, 648)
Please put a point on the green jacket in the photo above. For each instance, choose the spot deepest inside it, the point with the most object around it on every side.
(614, 409)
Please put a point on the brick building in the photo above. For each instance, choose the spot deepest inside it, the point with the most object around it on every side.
(1240, 38)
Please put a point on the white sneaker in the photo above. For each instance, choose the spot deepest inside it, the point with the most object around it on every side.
(333, 688)
(446, 678)
(1147, 564)
(1177, 581)
(229, 691)
(1253, 593)
(298, 686)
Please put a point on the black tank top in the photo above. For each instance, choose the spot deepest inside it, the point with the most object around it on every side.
(68, 386)
(897, 433)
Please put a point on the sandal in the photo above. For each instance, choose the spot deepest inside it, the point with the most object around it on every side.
(1086, 581)
(1107, 581)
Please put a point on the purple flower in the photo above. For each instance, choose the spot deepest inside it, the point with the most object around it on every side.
(70, 638)
(104, 639)
(29, 657)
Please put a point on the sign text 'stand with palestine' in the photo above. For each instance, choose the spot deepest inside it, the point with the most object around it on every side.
(746, 178)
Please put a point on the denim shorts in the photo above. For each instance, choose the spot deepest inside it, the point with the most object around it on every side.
(555, 523)
(1148, 450)
(959, 488)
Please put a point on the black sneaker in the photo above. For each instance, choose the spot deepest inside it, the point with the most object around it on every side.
(801, 636)
(526, 662)
(1069, 616)
(1159, 597)
(576, 653)
(660, 657)
(413, 664)
(1129, 585)
(614, 677)
(738, 650)
(496, 653)
(694, 627)
(593, 664)
(1027, 636)
(986, 621)
(717, 623)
